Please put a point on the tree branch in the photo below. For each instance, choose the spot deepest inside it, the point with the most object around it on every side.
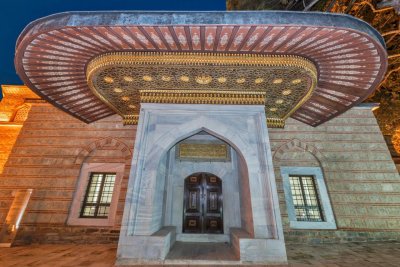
(391, 32)
(373, 8)
(310, 5)
(388, 74)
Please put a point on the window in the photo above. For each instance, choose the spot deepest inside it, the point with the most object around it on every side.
(307, 198)
(98, 195)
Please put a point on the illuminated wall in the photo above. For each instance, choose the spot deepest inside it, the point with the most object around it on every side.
(14, 109)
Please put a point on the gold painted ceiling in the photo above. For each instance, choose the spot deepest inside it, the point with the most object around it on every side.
(124, 80)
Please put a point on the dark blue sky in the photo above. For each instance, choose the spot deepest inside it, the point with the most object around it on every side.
(16, 14)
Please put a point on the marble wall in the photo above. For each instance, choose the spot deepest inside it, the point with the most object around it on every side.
(160, 128)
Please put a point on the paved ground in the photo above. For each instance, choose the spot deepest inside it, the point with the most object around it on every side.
(58, 255)
(352, 255)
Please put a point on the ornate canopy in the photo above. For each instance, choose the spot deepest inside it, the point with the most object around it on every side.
(309, 66)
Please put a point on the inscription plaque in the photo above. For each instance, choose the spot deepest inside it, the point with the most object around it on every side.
(197, 151)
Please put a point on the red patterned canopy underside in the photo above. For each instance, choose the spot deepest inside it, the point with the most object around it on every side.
(350, 63)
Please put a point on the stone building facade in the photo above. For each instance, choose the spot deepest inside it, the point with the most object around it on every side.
(51, 148)
(201, 152)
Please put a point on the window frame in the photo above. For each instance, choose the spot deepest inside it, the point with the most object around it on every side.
(74, 217)
(304, 196)
(325, 204)
(98, 203)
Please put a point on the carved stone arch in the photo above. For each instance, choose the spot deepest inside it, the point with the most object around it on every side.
(212, 127)
(296, 143)
(89, 149)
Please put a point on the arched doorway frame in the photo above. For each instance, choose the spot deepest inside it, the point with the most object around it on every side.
(263, 226)
(160, 127)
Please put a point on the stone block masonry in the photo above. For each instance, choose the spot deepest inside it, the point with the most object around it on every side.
(362, 181)
(361, 177)
(8, 136)
(47, 157)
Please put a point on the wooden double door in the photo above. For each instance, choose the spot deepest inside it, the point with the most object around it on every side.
(202, 208)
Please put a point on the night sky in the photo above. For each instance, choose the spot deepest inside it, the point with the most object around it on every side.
(16, 14)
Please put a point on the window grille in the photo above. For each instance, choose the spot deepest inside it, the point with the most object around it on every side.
(305, 198)
(96, 203)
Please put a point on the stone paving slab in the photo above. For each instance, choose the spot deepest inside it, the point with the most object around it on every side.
(103, 255)
(182, 251)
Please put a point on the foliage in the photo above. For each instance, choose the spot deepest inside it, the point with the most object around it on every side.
(387, 21)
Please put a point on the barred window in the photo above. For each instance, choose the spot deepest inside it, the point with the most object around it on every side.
(305, 198)
(96, 203)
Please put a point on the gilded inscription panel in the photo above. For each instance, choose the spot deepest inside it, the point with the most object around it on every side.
(203, 151)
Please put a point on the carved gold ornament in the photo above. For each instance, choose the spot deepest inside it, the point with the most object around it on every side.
(166, 78)
(184, 78)
(296, 81)
(202, 97)
(221, 79)
(108, 79)
(128, 79)
(130, 119)
(286, 92)
(147, 78)
(202, 78)
(259, 80)
(275, 123)
(241, 80)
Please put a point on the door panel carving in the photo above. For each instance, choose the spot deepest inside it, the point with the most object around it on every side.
(194, 200)
(203, 204)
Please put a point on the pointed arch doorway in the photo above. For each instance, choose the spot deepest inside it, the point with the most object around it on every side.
(202, 205)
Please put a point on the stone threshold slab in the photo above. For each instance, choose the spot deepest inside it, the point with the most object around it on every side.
(127, 263)
(203, 238)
